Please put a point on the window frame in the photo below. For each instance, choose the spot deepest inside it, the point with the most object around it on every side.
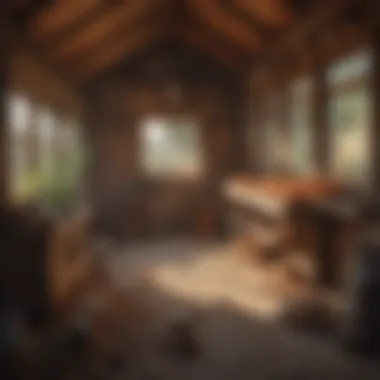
(17, 149)
(43, 150)
(272, 129)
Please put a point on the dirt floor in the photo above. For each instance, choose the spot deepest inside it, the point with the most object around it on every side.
(238, 312)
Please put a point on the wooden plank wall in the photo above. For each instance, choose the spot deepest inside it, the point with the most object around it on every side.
(121, 193)
(34, 77)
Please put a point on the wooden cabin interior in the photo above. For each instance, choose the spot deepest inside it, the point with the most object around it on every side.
(189, 189)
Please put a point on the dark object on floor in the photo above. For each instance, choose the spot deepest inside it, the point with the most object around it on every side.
(65, 355)
(116, 363)
(12, 344)
(362, 328)
(24, 245)
(76, 343)
(182, 340)
(310, 316)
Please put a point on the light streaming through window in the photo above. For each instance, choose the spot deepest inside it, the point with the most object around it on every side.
(171, 147)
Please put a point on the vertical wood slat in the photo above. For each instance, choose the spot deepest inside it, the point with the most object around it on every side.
(255, 132)
(285, 125)
(320, 120)
(5, 45)
(253, 144)
(89, 134)
(282, 87)
(250, 145)
(256, 126)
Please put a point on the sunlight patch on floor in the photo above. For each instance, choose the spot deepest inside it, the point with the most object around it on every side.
(219, 275)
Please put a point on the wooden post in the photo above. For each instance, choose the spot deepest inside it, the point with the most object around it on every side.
(282, 88)
(91, 118)
(255, 132)
(320, 114)
(285, 125)
(5, 56)
(3, 69)
(251, 129)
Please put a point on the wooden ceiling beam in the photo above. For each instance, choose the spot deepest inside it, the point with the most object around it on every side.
(366, 15)
(117, 34)
(201, 42)
(219, 37)
(77, 24)
(275, 13)
(112, 52)
(20, 36)
(24, 11)
(178, 12)
(110, 24)
(312, 23)
(61, 15)
(212, 13)
(19, 4)
(300, 7)
(251, 19)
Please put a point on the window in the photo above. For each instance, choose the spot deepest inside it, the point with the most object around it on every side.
(300, 126)
(44, 154)
(350, 118)
(171, 147)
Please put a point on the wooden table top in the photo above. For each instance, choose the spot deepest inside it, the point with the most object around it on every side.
(284, 188)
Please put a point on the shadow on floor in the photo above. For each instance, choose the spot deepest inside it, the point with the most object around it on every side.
(233, 344)
(237, 344)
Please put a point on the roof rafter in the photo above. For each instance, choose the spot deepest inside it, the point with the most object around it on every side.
(110, 53)
(275, 13)
(251, 19)
(60, 16)
(220, 19)
(201, 42)
(111, 24)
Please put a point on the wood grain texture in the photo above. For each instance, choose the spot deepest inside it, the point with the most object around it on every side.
(118, 49)
(219, 18)
(110, 24)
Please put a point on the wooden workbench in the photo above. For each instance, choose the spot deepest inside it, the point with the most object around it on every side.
(294, 215)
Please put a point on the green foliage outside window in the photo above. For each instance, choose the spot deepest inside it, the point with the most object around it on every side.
(59, 192)
(58, 189)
